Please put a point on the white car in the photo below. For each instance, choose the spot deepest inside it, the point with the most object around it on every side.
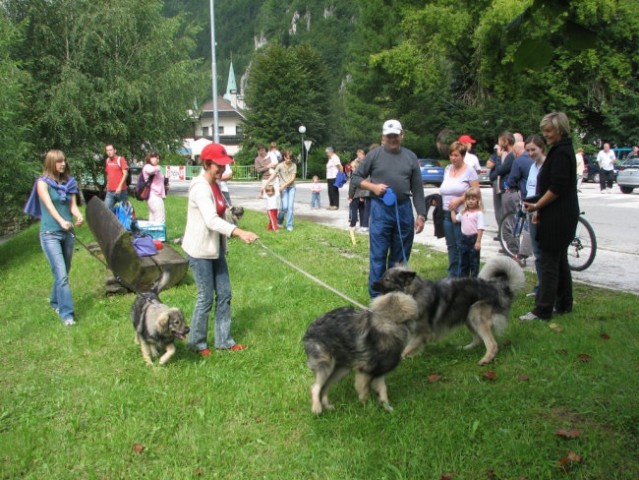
(628, 178)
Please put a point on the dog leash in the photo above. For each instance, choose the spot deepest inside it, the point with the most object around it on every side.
(315, 279)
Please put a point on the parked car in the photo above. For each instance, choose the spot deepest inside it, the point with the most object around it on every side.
(591, 170)
(628, 178)
(484, 173)
(627, 163)
(432, 171)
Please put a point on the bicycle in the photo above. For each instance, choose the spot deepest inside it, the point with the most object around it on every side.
(582, 249)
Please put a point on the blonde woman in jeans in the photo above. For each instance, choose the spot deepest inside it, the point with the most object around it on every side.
(53, 200)
(204, 242)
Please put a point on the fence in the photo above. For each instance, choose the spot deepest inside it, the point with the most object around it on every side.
(181, 172)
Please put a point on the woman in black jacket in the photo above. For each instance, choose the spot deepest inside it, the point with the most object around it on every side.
(556, 215)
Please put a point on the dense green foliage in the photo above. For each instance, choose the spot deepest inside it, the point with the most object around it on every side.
(81, 403)
(126, 71)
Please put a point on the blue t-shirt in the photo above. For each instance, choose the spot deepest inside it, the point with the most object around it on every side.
(47, 222)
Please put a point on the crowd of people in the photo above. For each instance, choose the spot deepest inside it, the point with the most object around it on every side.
(386, 198)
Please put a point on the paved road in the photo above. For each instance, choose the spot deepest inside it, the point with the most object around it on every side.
(614, 217)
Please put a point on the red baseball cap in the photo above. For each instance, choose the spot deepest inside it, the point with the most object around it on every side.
(466, 139)
(216, 153)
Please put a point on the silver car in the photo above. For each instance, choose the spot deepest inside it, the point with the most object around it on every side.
(628, 178)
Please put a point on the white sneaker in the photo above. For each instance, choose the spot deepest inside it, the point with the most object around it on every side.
(363, 229)
(69, 322)
(528, 317)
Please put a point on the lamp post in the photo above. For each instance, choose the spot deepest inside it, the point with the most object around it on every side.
(302, 131)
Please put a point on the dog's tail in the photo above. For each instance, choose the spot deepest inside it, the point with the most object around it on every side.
(504, 269)
(161, 282)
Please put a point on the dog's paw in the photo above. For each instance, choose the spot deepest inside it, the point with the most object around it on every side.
(387, 406)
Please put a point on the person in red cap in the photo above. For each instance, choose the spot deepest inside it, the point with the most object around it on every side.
(470, 159)
(204, 243)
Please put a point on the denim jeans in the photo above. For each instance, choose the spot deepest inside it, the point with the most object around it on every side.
(315, 199)
(288, 201)
(469, 257)
(111, 198)
(452, 232)
(388, 245)
(58, 248)
(211, 277)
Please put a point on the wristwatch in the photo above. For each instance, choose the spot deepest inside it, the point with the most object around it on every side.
(422, 217)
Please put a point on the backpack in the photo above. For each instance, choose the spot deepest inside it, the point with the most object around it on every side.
(126, 215)
(143, 188)
(128, 173)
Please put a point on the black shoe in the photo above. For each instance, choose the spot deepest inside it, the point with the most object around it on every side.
(496, 239)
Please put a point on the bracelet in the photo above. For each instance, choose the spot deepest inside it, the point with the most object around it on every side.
(536, 207)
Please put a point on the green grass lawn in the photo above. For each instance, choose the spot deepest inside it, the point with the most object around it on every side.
(80, 403)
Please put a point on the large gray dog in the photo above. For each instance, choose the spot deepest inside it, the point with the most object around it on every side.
(482, 304)
(369, 341)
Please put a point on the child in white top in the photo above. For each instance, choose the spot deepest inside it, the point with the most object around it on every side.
(272, 205)
(472, 227)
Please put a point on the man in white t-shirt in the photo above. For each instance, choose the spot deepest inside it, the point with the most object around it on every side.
(606, 160)
(470, 159)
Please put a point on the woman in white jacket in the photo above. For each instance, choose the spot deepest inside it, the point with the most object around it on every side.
(204, 241)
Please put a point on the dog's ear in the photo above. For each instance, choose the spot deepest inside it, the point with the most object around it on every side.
(406, 276)
(163, 319)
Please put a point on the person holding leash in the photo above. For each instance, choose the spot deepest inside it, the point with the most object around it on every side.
(54, 201)
(204, 237)
(394, 177)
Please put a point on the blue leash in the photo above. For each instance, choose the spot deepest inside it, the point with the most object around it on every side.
(390, 199)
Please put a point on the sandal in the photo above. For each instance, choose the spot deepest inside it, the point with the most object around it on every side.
(235, 348)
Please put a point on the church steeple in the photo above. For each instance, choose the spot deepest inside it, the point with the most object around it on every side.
(231, 88)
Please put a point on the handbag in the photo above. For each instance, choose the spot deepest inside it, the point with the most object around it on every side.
(144, 245)
(340, 179)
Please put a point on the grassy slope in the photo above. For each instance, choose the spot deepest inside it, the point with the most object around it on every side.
(75, 401)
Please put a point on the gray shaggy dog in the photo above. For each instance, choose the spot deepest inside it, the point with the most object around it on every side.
(482, 304)
(156, 324)
(370, 342)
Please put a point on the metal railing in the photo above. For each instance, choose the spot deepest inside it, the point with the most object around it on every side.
(240, 172)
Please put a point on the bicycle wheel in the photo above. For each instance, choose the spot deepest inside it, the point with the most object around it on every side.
(582, 250)
(510, 229)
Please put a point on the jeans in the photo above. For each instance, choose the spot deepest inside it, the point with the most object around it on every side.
(469, 257)
(58, 248)
(359, 209)
(288, 201)
(111, 198)
(388, 244)
(452, 232)
(315, 199)
(211, 277)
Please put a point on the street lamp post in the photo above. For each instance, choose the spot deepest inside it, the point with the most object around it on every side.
(302, 131)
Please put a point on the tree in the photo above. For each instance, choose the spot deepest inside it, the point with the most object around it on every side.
(18, 165)
(287, 87)
(105, 72)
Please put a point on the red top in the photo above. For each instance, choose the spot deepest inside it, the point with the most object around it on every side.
(114, 172)
(220, 201)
